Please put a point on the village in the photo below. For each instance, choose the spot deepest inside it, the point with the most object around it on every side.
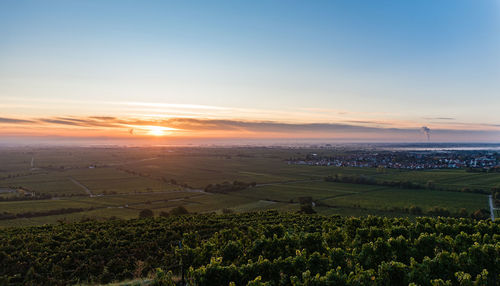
(411, 160)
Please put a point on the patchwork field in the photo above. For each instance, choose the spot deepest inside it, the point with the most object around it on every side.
(457, 178)
(120, 182)
(365, 196)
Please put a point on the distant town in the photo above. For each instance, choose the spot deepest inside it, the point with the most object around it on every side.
(412, 160)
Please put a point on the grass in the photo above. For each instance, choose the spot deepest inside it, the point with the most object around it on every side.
(386, 198)
(366, 196)
(98, 181)
(455, 178)
(54, 183)
(107, 180)
(292, 191)
(41, 205)
(94, 214)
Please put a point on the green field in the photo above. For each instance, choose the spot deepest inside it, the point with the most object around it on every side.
(124, 181)
(370, 197)
(455, 178)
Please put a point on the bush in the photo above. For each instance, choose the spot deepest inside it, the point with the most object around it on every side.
(163, 278)
(438, 211)
(415, 210)
(307, 209)
(146, 213)
(430, 185)
(180, 210)
(306, 205)
(481, 214)
(463, 213)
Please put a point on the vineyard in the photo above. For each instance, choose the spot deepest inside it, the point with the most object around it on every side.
(266, 248)
(77, 183)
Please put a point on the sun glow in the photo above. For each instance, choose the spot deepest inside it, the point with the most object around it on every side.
(158, 130)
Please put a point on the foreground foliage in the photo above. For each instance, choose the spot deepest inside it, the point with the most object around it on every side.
(256, 249)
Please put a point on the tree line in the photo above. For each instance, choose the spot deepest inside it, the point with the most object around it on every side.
(30, 214)
(430, 185)
(228, 187)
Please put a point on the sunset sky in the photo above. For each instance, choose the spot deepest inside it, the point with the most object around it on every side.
(157, 71)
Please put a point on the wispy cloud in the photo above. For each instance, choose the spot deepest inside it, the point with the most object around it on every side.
(14, 120)
(173, 105)
(371, 122)
(439, 118)
(202, 127)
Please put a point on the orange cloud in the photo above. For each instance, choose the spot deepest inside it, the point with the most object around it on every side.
(133, 128)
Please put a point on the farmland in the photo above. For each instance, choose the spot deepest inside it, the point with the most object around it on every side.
(119, 182)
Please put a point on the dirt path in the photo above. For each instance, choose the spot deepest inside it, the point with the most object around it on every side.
(289, 182)
(133, 161)
(82, 186)
(156, 193)
(492, 208)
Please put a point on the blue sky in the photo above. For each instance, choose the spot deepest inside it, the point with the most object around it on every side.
(387, 63)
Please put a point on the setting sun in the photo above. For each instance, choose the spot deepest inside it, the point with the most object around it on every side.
(157, 130)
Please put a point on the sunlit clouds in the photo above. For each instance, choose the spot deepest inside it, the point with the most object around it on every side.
(132, 128)
(130, 120)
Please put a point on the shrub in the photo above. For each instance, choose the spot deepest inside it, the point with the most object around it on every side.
(415, 210)
(180, 210)
(481, 214)
(146, 213)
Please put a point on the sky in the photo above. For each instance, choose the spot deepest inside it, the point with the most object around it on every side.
(157, 71)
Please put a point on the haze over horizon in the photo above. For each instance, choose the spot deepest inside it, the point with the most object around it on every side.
(161, 72)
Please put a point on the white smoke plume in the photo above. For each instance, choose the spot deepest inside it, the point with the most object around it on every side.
(427, 131)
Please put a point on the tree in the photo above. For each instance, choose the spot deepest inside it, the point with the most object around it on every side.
(430, 185)
(180, 210)
(415, 210)
(495, 191)
(439, 211)
(146, 213)
(307, 209)
(481, 214)
(306, 205)
(463, 213)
